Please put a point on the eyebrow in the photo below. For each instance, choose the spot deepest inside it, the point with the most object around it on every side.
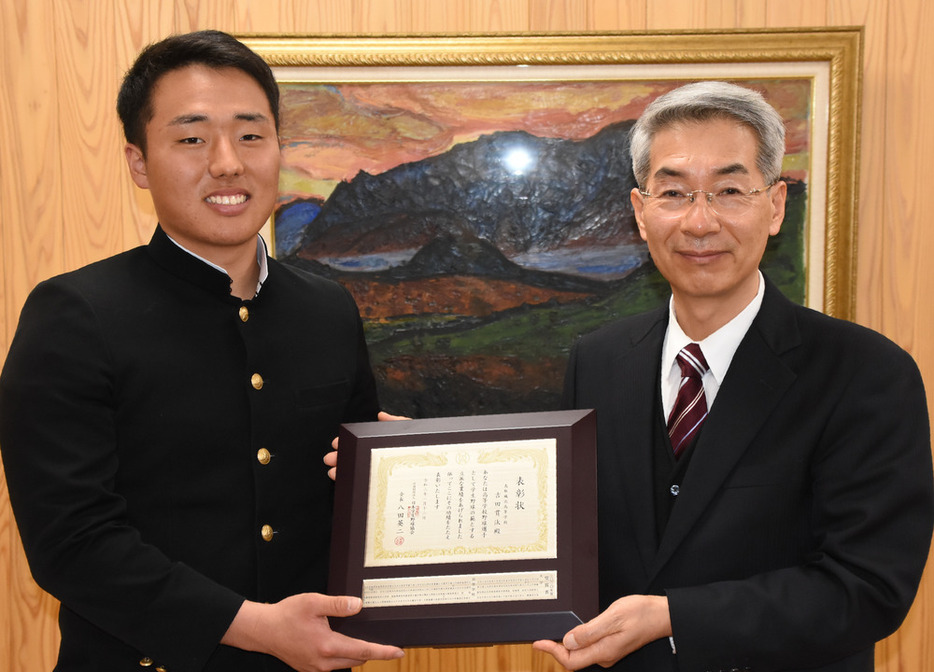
(731, 169)
(184, 119)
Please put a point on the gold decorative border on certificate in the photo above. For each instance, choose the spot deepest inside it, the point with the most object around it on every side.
(538, 458)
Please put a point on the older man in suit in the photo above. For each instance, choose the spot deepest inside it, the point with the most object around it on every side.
(765, 478)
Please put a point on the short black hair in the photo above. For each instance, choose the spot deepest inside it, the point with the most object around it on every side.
(211, 48)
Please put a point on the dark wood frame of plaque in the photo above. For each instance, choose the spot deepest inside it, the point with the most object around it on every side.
(474, 623)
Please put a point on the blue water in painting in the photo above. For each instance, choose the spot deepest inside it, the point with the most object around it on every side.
(607, 263)
(602, 263)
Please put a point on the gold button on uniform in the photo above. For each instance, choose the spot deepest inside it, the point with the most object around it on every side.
(146, 662)
(267, 532)
(161, 669)
(244, 313)
(256, 381)
(263, 456)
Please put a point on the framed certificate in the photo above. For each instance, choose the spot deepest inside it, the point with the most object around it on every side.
(467, 531)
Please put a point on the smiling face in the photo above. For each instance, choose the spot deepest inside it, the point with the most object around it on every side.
(711, 261)
(211, 161)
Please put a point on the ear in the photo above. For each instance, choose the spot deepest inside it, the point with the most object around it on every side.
(779, 194)
(136, 162)
(638, 201)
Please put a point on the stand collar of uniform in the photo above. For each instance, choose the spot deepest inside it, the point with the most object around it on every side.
(199, 271)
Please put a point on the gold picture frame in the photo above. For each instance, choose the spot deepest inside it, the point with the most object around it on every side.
(818, 70)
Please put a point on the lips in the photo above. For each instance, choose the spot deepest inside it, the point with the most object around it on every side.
(705, 257)
(700, 254)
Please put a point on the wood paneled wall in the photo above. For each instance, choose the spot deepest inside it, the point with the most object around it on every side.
(65, 198)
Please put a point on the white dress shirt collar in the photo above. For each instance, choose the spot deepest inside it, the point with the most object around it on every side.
(718, 349)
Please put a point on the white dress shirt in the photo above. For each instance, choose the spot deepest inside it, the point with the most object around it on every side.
(718, 349)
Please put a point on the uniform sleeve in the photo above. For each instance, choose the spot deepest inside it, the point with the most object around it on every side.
(59, 448)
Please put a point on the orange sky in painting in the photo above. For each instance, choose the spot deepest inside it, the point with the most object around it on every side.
(331, 132)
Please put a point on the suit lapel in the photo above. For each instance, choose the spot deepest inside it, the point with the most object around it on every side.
(635, 374)
(755, 383)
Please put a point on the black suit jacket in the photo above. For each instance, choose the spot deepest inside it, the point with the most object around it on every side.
(804, 520)
(131, 427)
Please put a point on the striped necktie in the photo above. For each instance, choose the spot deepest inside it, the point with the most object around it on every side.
(690, 407)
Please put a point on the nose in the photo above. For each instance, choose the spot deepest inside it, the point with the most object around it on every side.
(225, 160)
(700, 219)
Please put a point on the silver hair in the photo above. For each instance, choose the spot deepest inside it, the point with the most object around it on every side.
(702, 101)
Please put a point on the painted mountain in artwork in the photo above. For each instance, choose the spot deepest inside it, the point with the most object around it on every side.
(546, 204)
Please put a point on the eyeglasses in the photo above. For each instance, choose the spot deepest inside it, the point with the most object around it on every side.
(727, 201)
